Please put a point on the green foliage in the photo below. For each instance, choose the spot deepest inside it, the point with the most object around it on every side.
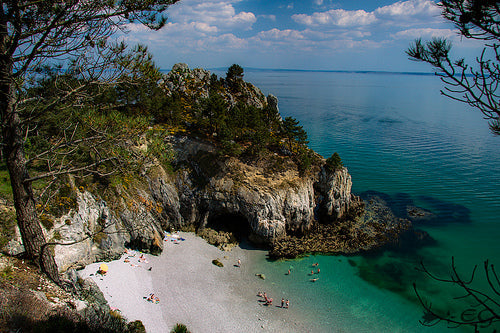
(6, 273)
(334, 162)
(7, 226)
(214, 113)
(305, 160)
(294, 132)
(158, 148)
(179, 328)
(136, 327)
(5, 187)
(234, 78)
(234, 73)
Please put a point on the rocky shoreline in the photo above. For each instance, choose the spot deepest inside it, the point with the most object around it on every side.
(370, 226)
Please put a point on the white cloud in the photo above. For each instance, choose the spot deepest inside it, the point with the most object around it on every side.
(225, 41)
(400, 13)
(336, 17)
(289, 40)
(269, 17)
(213, 31)
(215, 13)
(410, 8)
(425, 33)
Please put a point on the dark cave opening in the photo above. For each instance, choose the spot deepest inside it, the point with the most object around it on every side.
(236, 224)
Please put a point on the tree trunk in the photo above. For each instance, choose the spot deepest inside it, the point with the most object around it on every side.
(22, 191)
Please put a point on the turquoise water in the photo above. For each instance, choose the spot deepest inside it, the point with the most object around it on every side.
(399, 137)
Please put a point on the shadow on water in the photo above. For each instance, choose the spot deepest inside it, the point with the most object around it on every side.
(435, 212)
(394, 267)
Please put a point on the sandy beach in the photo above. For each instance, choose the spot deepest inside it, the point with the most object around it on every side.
(193, 291)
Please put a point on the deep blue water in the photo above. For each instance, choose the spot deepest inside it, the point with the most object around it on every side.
(397, 136)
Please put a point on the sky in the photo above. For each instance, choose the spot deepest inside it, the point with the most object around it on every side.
(298, 34)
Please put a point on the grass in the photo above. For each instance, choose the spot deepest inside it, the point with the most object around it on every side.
(7, 226)
(5, 187)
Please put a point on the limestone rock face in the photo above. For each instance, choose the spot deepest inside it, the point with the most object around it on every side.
(183, 80)
(81, 230)
(205, 187)
(196, 83)
(335, 189)
(94, 232)
(272, 204)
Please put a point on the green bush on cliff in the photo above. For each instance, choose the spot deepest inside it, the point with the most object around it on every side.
(334, 162)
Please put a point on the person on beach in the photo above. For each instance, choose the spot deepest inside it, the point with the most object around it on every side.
(287, 304)
(282, 302)
(152, 298)
(239, 263)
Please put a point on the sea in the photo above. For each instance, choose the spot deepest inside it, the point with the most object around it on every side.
(405, 142)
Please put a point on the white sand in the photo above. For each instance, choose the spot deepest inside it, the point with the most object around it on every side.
(193, 291)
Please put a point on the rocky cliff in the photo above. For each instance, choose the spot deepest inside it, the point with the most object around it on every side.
(267, 196)
(205, 189)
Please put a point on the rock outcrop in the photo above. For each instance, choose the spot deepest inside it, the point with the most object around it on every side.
(205, 189)
(267, 197)
(196, 84)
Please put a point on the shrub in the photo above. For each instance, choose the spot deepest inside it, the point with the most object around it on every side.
(334, 162)
(136, 327)
(179, 328)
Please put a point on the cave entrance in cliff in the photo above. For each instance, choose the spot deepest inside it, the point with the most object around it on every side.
(236, 224)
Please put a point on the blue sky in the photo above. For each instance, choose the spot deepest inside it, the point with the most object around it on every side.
(298, 34)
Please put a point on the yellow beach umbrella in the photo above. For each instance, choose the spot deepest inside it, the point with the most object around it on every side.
(103, 268)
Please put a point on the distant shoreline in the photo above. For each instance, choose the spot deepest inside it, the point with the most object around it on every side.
(256, 69)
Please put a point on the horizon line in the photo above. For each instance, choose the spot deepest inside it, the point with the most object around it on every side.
(321, 70)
